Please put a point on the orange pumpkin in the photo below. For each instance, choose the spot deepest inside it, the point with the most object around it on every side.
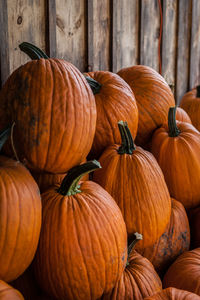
(173, 294)
(184, 273)
(177, 150)
(173, 242)
(9, 293)
(82, 250)
(115, 101)
(138, 280)
(153, 96)
(134, 179)
(54, 112)
(182, 116)
(191, 104)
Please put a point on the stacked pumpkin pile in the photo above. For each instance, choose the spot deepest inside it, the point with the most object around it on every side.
(113, 234)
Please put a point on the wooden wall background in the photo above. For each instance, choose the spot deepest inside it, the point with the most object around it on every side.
(106, 35)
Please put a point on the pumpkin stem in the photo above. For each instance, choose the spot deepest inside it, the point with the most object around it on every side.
(94, 85)
(198, 91)
(4, 134)
(32, 51)
(127, 145)
(173, 129)
(70, 184)
(138, 237)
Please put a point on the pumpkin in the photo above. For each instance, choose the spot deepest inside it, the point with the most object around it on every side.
(177, 150)
(134, 179)
(182, 116)
(138, 280)
(54, 112)
(191, 104)
(114, 101)
(9, 293)
(82, 250)
(173, 242)
(173, 294)
(194, 220)
(184, 273)
(153, 96)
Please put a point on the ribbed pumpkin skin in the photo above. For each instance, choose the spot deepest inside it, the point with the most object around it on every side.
(54, 111)
(191, 104)
(8, 293)
(173, 294)
(138, 280)
(20, 218)
(137, 184)
(173, 242)
(83, 244)
(153, 97)
(179, 159)
(184, 273)
(114, 102)
(182, 116)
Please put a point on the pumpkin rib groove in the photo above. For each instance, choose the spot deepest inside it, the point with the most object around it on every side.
(6, 227)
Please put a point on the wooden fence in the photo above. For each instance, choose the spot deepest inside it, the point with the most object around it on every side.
(107, 35)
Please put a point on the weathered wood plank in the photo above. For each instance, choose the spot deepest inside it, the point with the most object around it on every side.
(169, 42)
(195, 46)
(25, 22)
(149, 33)
(51, 28)
(70, 32)
(125, 37)
(184, 30)
(99, 35)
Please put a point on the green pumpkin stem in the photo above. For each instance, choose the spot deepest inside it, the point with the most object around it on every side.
(32, 51)
(127, 146)
(94, 85)
(70, 184)
(173, 129)
(198, 91)
(138, 237)
(4, 134)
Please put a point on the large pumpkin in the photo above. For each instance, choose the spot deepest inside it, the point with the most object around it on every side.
(138, 280)
(184, 273)
(191, 104)
(82, 250)
(115, 101)
(173, 242)
(54, 112)
(9, 293)
(153, 97)
(134, 179)
(177, 150)
(173, 294)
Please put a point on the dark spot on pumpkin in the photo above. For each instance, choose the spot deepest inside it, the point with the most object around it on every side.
(33, 121)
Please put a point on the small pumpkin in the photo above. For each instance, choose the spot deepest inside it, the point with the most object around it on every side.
(9, 293)
(184, 273)
(182, 116)
(173, 294)
(176, 147)
(153, 96)
(82, 250)
(191, 104)
(134, 179)
(138, 280)
(114, 101)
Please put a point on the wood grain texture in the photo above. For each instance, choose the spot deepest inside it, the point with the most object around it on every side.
(125, 34)
(70, 32)
(98, 35)
(195, 46)
(150, 27)
(51, 28)
(169, 41)
(183, 51)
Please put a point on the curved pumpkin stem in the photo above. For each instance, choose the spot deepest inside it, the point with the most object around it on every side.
(138, 237)
(70, 184)
(4, 134)
(94, 85)
(198, 91)
(173, 129)
(32, 51)
(127, 146)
